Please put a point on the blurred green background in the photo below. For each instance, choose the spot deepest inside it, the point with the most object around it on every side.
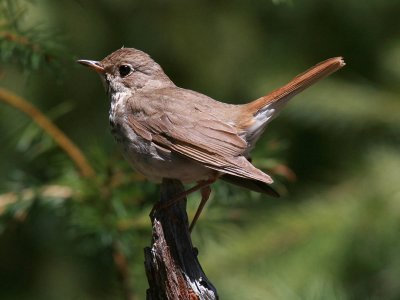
(333, 152)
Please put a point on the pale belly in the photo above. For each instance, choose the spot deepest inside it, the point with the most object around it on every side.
(156, 163)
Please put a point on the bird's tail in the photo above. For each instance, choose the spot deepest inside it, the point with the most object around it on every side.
(261, 111)
(251, 184)
(280, 96)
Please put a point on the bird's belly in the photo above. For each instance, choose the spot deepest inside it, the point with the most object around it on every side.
(157, 163)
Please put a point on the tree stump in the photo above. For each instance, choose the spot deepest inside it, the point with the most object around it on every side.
(172, 268)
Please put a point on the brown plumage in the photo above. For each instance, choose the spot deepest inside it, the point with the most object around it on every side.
(169, 132)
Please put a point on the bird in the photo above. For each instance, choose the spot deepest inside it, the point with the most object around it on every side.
(165, 131)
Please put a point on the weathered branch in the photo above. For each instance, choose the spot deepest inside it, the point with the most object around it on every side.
(172, 268)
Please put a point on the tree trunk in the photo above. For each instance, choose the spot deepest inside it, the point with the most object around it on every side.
(172, 268)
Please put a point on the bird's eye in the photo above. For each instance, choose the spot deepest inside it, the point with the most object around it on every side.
(125, 70)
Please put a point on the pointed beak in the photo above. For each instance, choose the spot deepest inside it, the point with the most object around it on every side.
(94, 65)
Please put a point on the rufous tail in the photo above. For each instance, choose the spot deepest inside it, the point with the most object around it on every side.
(298, 84)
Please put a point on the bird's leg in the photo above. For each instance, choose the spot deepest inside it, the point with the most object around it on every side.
(200, 185)
(205, 195)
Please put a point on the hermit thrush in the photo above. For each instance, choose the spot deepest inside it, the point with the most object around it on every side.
(169, 132)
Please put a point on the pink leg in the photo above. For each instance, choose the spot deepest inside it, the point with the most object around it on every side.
(205, 195)
(177, 198)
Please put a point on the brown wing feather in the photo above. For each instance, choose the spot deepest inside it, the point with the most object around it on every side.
(200, 137)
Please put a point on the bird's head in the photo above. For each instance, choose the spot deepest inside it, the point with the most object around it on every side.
(128, 70)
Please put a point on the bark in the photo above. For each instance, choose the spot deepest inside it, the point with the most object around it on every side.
(172, 268)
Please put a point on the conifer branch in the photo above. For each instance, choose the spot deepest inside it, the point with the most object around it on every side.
(51, 129)
(24, 41)
(30, 48)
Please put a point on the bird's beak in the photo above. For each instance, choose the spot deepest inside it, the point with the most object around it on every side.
(94, 65)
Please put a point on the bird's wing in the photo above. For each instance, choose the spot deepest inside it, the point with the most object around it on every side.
(196, 134)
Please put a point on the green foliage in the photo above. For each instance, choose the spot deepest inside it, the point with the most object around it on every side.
(29, 47)
(338, 244)
(333, 152)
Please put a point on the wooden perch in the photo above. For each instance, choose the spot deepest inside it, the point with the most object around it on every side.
(172, 268)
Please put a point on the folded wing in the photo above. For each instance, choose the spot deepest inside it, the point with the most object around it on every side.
(200, 136)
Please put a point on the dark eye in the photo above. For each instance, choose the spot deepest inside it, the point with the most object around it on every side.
(124, 70)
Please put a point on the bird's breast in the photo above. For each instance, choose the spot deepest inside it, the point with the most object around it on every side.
(149, 159)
